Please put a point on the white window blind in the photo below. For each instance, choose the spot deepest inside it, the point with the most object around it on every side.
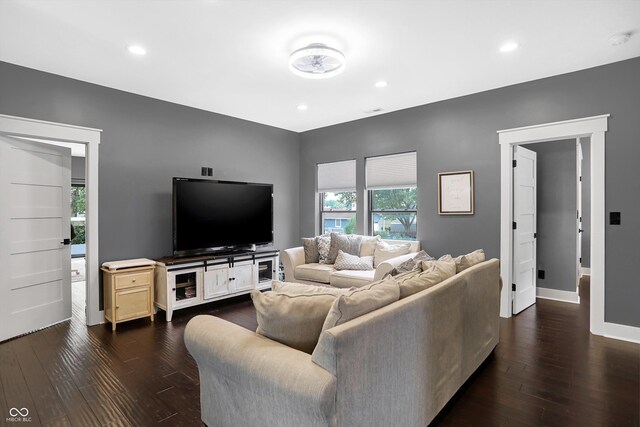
(393, 171)
(337, 176)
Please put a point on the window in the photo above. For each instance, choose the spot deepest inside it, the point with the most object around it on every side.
(392, 190)
(336, 188)
(78, 200)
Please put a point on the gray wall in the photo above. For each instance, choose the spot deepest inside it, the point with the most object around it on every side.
(460, 133)
(556, 214)
(145, 143)
(586, 202)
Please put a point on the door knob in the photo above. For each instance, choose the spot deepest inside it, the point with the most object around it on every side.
(66, 242)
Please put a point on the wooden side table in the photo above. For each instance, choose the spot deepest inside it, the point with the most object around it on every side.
(128, 294)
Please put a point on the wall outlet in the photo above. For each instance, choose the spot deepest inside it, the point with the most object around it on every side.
(541, 274)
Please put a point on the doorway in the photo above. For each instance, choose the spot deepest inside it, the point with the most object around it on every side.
(90, 140)
(595, 128)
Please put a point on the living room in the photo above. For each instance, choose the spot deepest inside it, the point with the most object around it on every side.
(230, 102)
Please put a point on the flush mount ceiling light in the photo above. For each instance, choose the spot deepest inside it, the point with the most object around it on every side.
(508, 47)
(381, 84)
(137, 50)
(302, 107)
(317, 61)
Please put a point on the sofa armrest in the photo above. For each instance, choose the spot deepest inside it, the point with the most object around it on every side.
(247, 379)
(388, 265)
(291, 258)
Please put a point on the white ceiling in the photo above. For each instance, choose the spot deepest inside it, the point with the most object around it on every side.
(230, 57)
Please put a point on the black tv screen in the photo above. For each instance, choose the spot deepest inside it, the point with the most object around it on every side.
(209, 215)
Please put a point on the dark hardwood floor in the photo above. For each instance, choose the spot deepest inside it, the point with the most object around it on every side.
(547, 370)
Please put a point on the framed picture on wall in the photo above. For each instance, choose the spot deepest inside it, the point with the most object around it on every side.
(455, 193)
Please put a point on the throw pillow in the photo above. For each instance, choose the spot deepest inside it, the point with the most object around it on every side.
(411, 264)
(385, 251)
(305, 289)
(361, 301)
(469, 260)
(433, 272)
(345, 261)
(368, 245)
(310, 250)
(294, 320)
(446, 257)
(347, 243)
(323, 243)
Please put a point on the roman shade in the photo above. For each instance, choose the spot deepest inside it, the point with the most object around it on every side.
(392, 171)
(337, 176)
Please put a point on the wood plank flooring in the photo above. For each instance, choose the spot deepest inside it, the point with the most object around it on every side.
(547, 370)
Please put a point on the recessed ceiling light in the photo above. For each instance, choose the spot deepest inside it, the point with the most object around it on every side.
(317, 61)
(508, 47)
(620, 38)
(302, 107)
(137, 50)
(381, 83)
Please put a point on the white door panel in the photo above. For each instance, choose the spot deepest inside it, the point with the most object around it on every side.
(35, 276)
(524, 237)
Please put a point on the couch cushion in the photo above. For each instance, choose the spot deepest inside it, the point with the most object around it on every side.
(314, 272)
(411, 263)
(306, 289)
(385, 251)
(345, 261)
(347, 243)
(323, 243)
(349, 278)
(433, 272)
(292, 319)
(368, 245)
(469, 260)
(310, 250)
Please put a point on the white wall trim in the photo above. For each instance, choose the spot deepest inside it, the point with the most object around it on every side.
(622, 332)
(32, 128)
(557, 295)
(585, 271)
(595, 127)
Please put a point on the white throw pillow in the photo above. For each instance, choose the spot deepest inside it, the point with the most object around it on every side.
(345, 261)
(368, 245)
(385, 251)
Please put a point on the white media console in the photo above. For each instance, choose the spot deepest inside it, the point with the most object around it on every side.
(185, 282)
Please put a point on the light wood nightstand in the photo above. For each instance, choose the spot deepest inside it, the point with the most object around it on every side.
(128, 294)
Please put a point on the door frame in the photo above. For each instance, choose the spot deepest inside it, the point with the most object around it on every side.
(32, 128)
(594, 127)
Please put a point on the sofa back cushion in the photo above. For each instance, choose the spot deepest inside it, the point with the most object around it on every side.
(385, 251)
(368, 245)
(292, 288)
(469, 260)
(347, 243)
(294, 318)
(429, 274)
(310, 247)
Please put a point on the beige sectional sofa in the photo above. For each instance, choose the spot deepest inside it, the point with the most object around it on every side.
(295, 269)
(395, 366)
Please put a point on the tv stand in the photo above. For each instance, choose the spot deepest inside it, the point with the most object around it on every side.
(187, 281)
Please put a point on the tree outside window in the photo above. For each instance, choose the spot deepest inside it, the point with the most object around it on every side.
(393, 213)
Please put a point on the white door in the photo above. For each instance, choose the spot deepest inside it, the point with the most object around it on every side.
(35, 228)
(524, 233)
(579, 158)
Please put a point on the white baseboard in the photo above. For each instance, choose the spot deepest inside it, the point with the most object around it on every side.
(585, 271)
(622, 332)
(556, 295)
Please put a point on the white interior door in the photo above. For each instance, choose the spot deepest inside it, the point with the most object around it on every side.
(35, 228)
(579, 158)
(524, 233)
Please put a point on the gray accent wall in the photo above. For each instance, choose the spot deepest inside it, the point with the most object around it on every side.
(556, 214)
(460, 133)
(145, 143)
(586, 202)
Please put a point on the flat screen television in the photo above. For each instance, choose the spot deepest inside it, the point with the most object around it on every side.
(215, 216)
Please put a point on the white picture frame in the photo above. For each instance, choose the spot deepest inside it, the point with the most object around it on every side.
(455, 193)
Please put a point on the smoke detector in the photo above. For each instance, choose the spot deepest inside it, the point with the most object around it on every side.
(317, 61)
(620, 38)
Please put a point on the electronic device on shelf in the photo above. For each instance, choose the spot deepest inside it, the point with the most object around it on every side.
(212, 216)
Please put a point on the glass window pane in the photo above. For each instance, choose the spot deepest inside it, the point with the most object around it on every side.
(401, 226)
(397, 199)
(338, 222)
(345, 201)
